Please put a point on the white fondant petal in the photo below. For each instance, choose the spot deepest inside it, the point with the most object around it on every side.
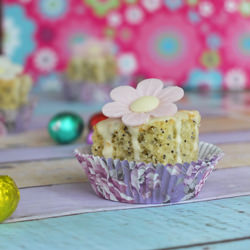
(149, 87)
(164, 109)
(171, 94)
(115, 109)
(124, 94)
(135, 119)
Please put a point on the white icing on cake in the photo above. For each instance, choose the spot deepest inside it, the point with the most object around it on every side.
(134, 131)
(107, 128)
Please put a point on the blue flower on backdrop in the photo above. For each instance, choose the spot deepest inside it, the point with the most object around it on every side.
(18, 34)
(244, 43)
(193, 17)
(115, 48)
(49, 83)
(208, 79)
(213, 41)
(53, 9)
(173, 4)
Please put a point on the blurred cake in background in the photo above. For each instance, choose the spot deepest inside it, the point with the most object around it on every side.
(14, 93)
(93, 62)
(91, 72)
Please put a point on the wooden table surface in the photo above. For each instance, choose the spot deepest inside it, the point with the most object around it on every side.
(58, 209)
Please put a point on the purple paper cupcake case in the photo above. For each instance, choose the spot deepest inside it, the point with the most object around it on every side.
(89, 92)
(17, 120)
(142, 183)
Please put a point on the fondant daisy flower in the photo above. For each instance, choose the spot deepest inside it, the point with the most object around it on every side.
(149, 99)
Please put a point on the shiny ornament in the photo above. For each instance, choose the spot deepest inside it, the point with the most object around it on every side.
(95, 119)
(89, 139)
(9, 197)
(65, 127)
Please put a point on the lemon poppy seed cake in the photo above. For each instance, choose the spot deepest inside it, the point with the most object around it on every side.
(166, 140)
(144, 126)
(15, 85)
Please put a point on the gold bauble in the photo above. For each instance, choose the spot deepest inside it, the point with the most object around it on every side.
(9, 197)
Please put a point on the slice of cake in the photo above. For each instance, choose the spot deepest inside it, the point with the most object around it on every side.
(92, 62)
(14, 85)
(161, 140)
(144, 126)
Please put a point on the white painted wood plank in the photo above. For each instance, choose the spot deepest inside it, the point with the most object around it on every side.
(76, 198)
(44, 173)
(39, 153)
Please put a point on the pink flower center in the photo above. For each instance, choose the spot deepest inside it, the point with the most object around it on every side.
(144, 104)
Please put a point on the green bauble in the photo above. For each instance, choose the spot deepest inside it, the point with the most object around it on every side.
(9, 197)
(65, 127)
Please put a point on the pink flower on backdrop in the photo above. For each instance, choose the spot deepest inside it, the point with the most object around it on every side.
(73, 32)
(51, 10)
(126, 36)
(45, 59)
(167, 46)
(237, 43)
(45, 33)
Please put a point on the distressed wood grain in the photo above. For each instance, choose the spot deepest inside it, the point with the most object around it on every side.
(75, 198)
(147, 228)
(42, 153)
(236, 155)
(222, 124)
(242, 243)
(40, 173)
(35, 138)
(226, 137)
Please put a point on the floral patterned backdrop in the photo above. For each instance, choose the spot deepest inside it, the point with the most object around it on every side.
(193, 43)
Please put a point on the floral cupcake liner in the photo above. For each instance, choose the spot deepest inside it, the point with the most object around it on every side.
(88, 91)
(142, 183)
(17, 120)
